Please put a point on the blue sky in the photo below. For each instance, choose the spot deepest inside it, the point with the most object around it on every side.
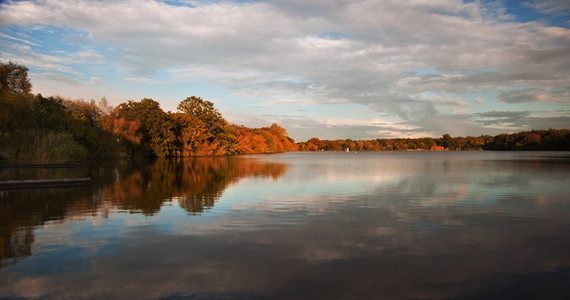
(329, 69)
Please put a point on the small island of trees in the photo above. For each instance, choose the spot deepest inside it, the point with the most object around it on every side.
(38, 129)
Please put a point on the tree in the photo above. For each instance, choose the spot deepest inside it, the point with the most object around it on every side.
(15, 99)
(192, 133)
(448, 142)
(121, 136)
(85, 118)
(51, 113)
(502, 142)
(199, 108)
(218, 129)
(14, 79)
(156, 126)
(250, 140)
(314, 144)
(428, 143)
(531, 138)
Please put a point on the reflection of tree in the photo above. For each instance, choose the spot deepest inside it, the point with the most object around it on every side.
(15, 243)
(197, 203)
(195, 182)
(22, 211)
(134, 185)
(204, 179)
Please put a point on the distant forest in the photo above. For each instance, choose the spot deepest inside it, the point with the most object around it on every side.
(38, 129)
(534, 140)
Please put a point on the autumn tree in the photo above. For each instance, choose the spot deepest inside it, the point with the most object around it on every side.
(314, 144)
(122, 136)
(282, 141)
(273, 139)
(157, 128)
(191, 132)
(218, 136)
(250, 140)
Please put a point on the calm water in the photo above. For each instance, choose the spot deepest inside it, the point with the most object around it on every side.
(403, 225)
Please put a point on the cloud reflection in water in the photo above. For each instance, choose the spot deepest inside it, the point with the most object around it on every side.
(316, 226)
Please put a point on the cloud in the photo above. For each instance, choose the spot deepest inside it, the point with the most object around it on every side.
(25, 55)
(497, 118)
(21, 40)
(521, 120)
(58, 78)
(369, 53)
(556, 7)
(539, 94)
(90, 55)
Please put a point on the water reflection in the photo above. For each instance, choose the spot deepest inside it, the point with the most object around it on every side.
(196, 183)
(22, 212)
(130, 185)
(313, 226)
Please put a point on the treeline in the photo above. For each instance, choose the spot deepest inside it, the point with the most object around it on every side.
(34, 128)
(546, 140)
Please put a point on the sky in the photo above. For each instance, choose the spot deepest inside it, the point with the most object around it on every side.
(332, 69)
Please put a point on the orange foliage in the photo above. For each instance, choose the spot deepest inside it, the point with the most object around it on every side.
(192, 133)
(121, 127)
(272, 139)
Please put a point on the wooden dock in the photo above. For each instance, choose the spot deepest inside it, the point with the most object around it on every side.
(39, 166)
(44, 183)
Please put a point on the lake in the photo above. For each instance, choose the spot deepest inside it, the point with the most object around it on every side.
(319, 225)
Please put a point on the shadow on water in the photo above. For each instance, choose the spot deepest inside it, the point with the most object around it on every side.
(137, 186)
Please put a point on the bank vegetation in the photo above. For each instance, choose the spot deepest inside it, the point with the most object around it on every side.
(38, 129)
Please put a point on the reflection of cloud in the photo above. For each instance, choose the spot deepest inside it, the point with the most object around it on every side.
(426, 232)
(364, 251)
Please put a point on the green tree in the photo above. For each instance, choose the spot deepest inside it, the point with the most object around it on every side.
(448, 142)
(85, 117)
(502, 142)
(156, 126)
(52, 114)
(199, 108)
(15, 99)
(428, 142)
(14, 79)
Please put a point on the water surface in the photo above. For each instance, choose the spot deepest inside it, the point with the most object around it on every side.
(386, 225)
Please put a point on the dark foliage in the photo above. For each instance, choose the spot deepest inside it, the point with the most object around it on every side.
(54, 129)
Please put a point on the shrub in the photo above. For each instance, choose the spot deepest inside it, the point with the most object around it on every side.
(37, 146)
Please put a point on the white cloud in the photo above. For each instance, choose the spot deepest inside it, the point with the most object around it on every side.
(90, 55)
(363, 52)
(556, 7)
(21, 40)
